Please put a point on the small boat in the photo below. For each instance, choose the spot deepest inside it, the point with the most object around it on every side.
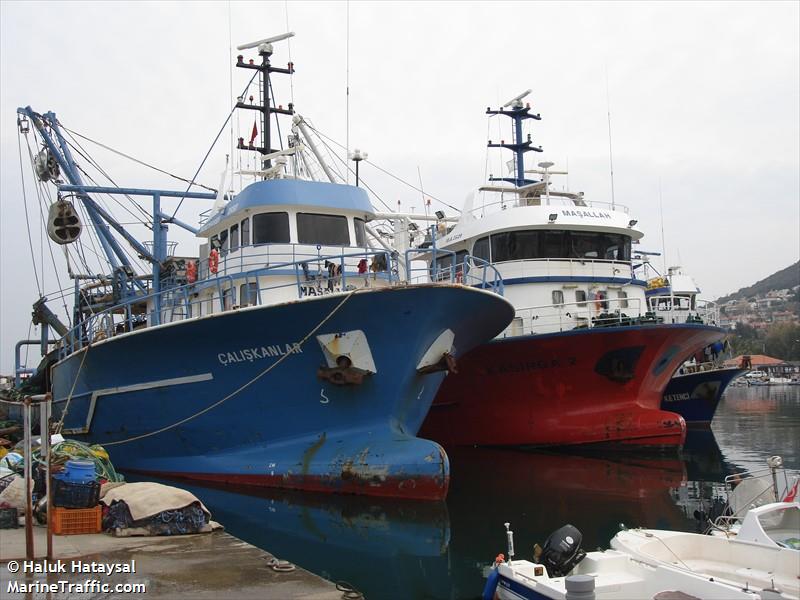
(749, 494)
(562, 570)
(755, 544)
(696, 388)
(759, 557)
(695, 394)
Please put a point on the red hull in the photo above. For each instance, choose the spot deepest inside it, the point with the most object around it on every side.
(418, 488)
(591, 386)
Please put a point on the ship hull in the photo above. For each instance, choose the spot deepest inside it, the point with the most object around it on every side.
(593, 386)
(695, 396)
(236, 398)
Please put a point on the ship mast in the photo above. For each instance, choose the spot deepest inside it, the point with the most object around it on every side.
(265, 107)
(518, 114)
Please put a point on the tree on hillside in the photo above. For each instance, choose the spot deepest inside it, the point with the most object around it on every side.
(747, 340)
(783, 341)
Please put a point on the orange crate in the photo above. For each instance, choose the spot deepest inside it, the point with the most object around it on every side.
(72, 521)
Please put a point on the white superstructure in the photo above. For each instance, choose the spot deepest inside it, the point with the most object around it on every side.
(565, 262)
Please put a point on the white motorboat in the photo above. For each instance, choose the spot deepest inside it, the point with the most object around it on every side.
(756, 545)
(564, 571)
(753, 559)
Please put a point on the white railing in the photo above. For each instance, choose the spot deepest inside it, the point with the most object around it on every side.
(515, 201)
(551, 318)
(678, 309)
(566, 267)
(177, 302)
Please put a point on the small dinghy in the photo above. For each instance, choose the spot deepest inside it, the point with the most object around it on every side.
(562, 570)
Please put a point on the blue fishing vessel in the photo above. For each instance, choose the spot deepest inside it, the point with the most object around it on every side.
(695, 396)
(695, 390)
(290, 352)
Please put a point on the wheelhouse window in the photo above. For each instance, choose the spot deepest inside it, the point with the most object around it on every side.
(533, 244)
(245, 229)
(223, 240)
(328, 230)
(361, 232)
(580, 297)
(481, 248)
(234, 237)
(515, 245)
(558, 297)
(271, 228)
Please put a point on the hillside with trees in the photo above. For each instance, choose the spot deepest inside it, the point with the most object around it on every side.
(765, 317)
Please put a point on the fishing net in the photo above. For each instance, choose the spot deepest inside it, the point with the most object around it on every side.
(61, 452)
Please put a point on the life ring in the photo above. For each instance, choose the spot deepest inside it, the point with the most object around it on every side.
(213, 261)
(191, 271)
(598, 301)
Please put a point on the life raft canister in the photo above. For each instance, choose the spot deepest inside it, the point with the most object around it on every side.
(213, 261)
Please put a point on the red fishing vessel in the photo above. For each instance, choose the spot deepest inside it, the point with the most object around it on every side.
(585, 360)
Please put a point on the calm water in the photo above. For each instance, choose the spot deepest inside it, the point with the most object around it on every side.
(417, 550)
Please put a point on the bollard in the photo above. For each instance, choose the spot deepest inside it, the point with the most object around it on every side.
(579, 587)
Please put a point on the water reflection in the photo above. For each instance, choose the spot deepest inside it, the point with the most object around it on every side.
(387, 549)
(755, 422)
(420, 550)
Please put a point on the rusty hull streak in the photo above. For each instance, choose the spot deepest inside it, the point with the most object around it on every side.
(309, 454)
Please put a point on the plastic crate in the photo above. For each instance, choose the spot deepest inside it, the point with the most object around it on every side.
(73, 521)
(75, 495)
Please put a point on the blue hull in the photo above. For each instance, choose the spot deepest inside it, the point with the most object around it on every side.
(695, 396)
(192, 399)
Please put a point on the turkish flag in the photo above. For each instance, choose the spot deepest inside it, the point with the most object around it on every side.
(790, 497)
(254, 134)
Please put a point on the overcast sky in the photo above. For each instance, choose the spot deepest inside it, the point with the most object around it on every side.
(704, 99)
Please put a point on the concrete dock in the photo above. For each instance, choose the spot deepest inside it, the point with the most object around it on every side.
(211, 565)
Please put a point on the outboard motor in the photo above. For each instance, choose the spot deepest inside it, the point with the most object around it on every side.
(562, 551)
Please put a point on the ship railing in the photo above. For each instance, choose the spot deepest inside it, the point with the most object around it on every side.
(551, 318)
(469, 270)
(567, 267)
(181, 302)
(513, 199)
(750, 489)
(684, 309)
(247, 258)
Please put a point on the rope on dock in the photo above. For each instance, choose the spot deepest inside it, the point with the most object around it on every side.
(281, 566)
(349, 592)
